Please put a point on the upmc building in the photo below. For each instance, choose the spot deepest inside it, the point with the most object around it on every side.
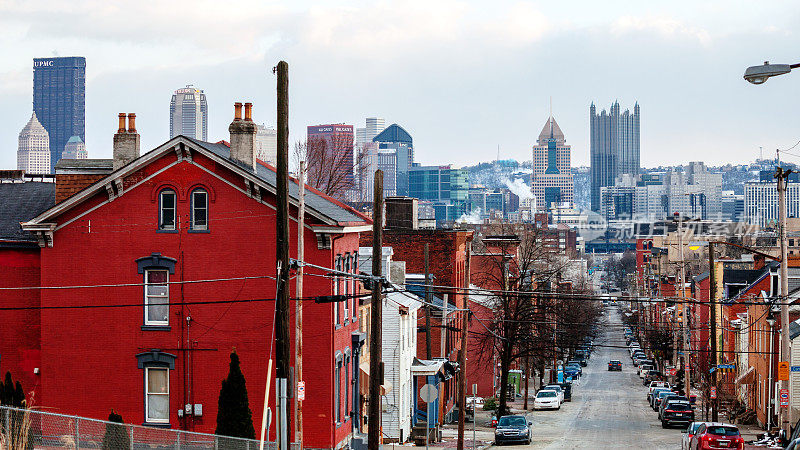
(59, 100)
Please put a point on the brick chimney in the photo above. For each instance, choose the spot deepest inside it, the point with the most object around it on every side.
(243, 136)
(126, 141)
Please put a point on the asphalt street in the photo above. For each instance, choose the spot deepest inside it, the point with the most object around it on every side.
(608, 409)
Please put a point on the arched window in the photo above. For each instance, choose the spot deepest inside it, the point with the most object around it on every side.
(199, 209)
(166, 209)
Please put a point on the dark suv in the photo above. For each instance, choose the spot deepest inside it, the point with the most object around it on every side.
(677, 411)
(615, 364)
(512, 429)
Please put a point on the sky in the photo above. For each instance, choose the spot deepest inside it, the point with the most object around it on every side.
(467, 79)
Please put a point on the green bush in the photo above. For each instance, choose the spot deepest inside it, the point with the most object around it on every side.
(489, 404)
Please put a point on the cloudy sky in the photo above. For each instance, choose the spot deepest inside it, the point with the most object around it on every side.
(463, 77)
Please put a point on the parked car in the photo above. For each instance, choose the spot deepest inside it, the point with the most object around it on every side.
(688, 433)
(655, 385)
(615, 364)
(567, 391)
(546, 399)
(512, 429)
(658, 397)
(716, 435)
(676, 412)
(475, 402)
(665, 401)
(652, 375)
(644, 367)
(572, 370)
(652, 395)
(577, 366)
(558, 389)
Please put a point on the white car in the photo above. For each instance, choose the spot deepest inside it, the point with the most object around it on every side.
(546, 399)
(559, 390)
(644, 368)
(658, 384)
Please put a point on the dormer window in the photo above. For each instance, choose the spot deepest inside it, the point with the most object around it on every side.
(166, 209)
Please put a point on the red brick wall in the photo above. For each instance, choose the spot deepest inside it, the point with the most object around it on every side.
(19, 332)
(89, 364)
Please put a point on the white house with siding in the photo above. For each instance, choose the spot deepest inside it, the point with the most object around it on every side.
(399, 337)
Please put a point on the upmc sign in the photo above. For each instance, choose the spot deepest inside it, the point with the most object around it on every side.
(43, 63)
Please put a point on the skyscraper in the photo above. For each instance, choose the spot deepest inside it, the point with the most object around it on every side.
(374, 126)
(33, 152)
(397, 139)
(267, 144)
(614, 147)
(75, 149)
(188, 113)
(59, 100)
(551, 180)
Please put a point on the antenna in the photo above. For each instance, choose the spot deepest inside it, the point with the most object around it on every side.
(498, 153)
(760, 152)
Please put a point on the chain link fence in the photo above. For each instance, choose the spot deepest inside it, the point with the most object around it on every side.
(26, 429)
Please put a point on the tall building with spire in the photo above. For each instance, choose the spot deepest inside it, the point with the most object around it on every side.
(75, 149)
(188, 113)
(33, 152)
(551, 180)
(614, 147)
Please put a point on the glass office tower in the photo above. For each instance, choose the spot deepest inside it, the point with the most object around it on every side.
(59, 100)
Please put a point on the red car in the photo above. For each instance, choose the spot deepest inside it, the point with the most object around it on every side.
(714, 435)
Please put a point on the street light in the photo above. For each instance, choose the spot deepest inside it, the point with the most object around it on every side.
(759, 74)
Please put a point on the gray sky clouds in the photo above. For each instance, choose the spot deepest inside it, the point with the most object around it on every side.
(462, 77)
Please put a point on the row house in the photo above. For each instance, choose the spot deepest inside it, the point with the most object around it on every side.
(448, 253)
(171, 262)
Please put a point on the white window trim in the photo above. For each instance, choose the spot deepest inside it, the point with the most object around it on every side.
(147, 395)
(161, 225)
(194, 209)
(147, 321)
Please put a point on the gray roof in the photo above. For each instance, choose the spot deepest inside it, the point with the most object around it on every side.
(320, 203)
(85, 163)
(794, 329)
(22, 202)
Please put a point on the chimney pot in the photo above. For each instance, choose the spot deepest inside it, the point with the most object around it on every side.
(243, 137)
(126, 142)
(237, 111)
(248, 112)
(131, 122)
(122, 128)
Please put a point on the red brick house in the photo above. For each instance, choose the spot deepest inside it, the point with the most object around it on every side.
(174, 251)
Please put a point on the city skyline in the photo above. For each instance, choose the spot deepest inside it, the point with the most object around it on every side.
(715, 110)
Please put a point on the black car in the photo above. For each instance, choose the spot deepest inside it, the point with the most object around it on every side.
(512, 429)
(665, 403)
(567, 387)
(677, 412)
(615, 364)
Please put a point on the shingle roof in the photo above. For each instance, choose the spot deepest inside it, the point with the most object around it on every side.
(324, 205)
(85, 164)
(22, 202)
(393, 133)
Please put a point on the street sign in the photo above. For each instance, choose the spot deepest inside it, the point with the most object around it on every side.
(783, 371)
(725, 366)
(784, 398)
(301, 390)
(672, 372)
(429, 393)
(795, 368)
(713, 392)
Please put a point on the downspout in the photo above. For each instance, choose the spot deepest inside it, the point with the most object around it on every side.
(770, 406)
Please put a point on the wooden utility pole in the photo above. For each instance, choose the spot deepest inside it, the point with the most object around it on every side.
(428, 354)
(712, 297)
(375, 338)
(298, 304)
(462, 361)
(685, 308)
(783, 178)
(282, 352)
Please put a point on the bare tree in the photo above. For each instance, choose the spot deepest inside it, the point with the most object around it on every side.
(332, 165)
(535, 315)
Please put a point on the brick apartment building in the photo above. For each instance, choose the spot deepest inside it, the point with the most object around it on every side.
(175, 249)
